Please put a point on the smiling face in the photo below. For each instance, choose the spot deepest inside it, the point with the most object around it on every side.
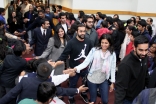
(105, 44)
(141, 50)
(61, 33)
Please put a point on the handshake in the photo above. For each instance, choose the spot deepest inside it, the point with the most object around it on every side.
(69, 71)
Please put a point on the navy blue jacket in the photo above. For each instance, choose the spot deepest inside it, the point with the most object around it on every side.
(27, 88)
(12, 67)
(33, 15)
(39, 40)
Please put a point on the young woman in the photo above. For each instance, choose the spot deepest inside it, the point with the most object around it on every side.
(12, 22)
(102, 61)
(126, 41)
(129, 46)
(56, 46)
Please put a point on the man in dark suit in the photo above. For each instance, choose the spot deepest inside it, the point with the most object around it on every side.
(41, 37)
(27, 88)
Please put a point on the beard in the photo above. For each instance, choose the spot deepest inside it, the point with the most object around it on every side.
(141, 56)
(88, 27)
(80, 36)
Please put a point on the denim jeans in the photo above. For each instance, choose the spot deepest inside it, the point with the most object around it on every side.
(103, 88)
(127, 102)
(73, 80)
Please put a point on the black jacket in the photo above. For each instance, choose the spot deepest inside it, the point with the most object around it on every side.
(27, 88)
(39, 41)
(33, 15)
(12, 67)
(132, 77)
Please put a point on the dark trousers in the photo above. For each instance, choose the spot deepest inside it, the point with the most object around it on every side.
(127, 102)
(73, 80)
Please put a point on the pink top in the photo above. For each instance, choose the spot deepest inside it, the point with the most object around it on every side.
(101, 31)
(69, 24)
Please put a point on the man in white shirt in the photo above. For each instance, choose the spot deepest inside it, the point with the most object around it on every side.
(62, 22)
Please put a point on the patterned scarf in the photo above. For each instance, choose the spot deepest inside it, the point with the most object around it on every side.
(99, 57)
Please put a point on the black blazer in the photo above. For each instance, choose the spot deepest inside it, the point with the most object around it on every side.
(12, 67)
(27, 88)
(32, 19)
(39, 41)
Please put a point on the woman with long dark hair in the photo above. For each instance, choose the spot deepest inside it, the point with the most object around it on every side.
(102, 62)
(56, 46)
(12, 22)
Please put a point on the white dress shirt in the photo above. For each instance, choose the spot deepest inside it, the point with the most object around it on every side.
(42, 30)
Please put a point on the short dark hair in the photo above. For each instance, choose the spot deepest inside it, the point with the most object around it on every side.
(129, 21)
(85, 19)
(80, 25)
(62, 14)
(142, 22)
(109, 39)
(141, 39)
(151, 20)
(104, 24)
(43, 21)
(135, 34)
(44, 70)
(116, 15)
(59, 6)
(2, 10)
(81, 14)
(33, 64)
(109, 19)
(19, 47)
(45, 91)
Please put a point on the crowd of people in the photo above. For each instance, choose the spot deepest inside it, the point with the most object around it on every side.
(109, 54)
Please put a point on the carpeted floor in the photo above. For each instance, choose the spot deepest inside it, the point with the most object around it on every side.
(77, 97)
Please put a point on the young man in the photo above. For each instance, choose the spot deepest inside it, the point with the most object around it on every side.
(27, 88)
(90, 31)
(62, 22)
(45, 93)
(132, 75)
(41, 37)
(142, 28)
(77, 48)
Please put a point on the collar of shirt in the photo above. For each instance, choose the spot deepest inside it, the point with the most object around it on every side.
(42, 30)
